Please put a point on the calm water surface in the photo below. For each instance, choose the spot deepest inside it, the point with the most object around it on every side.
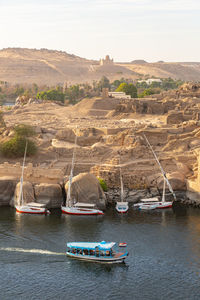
(163, 262)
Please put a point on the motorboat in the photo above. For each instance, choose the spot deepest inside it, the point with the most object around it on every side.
(77, 208)
(31, 207)
(101, 252)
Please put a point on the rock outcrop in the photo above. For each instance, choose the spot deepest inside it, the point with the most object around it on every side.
(86, 188)
(7, 189)
(28, 193)
(49, 194)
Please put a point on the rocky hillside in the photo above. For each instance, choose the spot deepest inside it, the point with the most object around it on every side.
(19, 65)
(111, 135)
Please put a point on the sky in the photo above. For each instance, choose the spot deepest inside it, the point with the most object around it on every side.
(127, 30)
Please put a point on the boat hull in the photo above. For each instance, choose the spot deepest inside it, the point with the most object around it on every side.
(164, 205)
(147, 206)
(31, 210)
(81, 211)
(109, 260)
(121, 207)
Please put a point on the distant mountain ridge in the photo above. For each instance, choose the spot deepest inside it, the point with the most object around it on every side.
(22, 65)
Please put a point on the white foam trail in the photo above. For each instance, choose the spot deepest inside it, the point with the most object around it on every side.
(37, 251)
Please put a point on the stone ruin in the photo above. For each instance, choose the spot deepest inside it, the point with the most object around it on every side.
(106, 61)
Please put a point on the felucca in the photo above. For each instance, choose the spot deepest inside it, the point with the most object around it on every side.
(122, 206)
(77, 208)
(153, 203)
(31, 207)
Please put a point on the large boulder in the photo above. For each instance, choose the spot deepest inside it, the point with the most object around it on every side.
(49, 194)
(177, 181)
(7, 189)
(28, 193)
(85, 188)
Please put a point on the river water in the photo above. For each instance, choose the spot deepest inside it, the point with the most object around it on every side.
(163, 261)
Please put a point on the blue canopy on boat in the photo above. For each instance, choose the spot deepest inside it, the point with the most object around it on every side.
(102, 245)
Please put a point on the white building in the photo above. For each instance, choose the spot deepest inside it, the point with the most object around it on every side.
(119, 95)
(149, 81)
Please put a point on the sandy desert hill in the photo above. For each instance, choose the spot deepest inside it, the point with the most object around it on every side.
(20, 65)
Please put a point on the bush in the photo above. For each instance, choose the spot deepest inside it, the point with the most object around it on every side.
(103, 184)
(15, 147)
(23, 130)
(53, 95)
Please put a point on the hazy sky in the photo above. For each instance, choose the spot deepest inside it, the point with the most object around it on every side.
(152, 30)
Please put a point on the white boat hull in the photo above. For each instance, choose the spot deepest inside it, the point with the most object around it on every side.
(122, 207)
(147, 207)
(31, 210)
(110, 260)
(81, 211)
(159, 205)
(162, 205)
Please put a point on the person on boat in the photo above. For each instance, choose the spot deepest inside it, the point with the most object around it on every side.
(97, 252)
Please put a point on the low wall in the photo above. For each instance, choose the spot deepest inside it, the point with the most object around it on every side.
(37, 174)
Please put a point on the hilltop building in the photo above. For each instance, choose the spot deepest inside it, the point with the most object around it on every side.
(106, 61)
(149, 81)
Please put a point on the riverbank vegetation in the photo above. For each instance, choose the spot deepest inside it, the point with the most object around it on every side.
(76, 92)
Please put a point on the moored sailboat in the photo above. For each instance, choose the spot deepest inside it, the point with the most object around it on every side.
(121, 206)
(77, 208)
(31, 207)
(153, 203)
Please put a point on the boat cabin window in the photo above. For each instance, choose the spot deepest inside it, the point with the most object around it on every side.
(108, 253)
(72, 250)
(85, 252)
(91, 252)
(79, 251)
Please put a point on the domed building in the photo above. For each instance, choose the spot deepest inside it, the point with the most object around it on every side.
(106, 61)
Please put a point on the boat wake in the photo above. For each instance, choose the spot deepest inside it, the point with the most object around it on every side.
(36, 251)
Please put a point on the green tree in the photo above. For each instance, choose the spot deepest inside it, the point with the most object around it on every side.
(54, 95)
(103, 83)
(116, 83)
(74, 93)
(148, 92)
(128, 88)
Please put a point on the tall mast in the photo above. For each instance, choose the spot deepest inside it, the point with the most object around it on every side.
(21, 199)
(69, 202)
(122, 186)
(163, 195)
(161, 168)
